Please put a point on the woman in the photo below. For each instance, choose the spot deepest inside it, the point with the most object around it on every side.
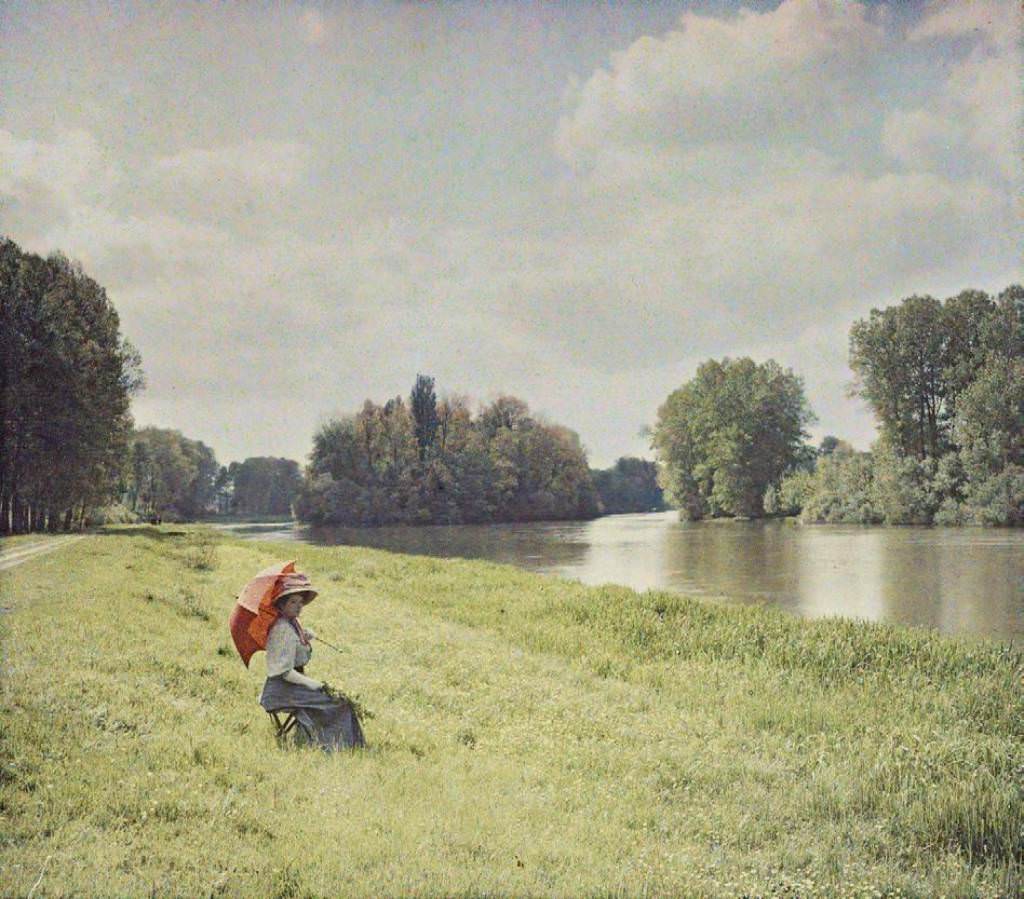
(327, 718)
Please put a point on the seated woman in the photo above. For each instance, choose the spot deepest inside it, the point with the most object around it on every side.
(329, 719)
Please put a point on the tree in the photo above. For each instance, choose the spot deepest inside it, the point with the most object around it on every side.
(967, 320)
(263, 485)
(830, 444)
(947, 384)
(423, 402)
(506, 412)
(913, 362)
(173, 475)
(630, 485)
(1004, 332)
(990, 431)
(903, 488)
(898, 356)
(841, 490)
(990, 417)
(454, 423)
(66, 380)
(223, 488)
(725, 436)
(371, 469)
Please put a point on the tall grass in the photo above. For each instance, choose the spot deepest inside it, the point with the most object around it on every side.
(201, 550)
(531, 737)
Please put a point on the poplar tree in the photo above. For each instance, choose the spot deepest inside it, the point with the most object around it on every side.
(423, 403)
(66, 381)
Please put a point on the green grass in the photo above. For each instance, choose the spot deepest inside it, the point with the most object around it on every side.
(530, 737)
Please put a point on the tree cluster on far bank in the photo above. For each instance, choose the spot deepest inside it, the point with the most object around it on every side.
(946, 383)
(261, 485)
(432, 461)
(174, 477)
(728, 435)
(945, 380)
(630, 485)
(169, 476)
(66, 381)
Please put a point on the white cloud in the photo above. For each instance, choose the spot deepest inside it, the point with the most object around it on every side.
(922, 138)
(248, 187)
(73, 166)
(974, 119)
(985, 91)
(755, 76)
(256, 163)
(747, 163)
(43, 181)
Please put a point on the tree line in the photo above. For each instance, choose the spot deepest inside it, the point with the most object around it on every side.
(70, 455)
(174, 477)
(427, 460)
(945, 380)
(69, 452)
(66, 381)
(169, 476)
(261, 485)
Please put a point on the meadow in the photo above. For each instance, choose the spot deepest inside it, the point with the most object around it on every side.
(530, 736)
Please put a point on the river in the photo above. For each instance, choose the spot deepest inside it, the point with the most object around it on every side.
(955, 580)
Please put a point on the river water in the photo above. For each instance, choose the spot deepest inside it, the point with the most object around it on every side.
(955, 580)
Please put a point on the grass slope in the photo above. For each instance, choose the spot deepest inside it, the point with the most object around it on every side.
(531, 737)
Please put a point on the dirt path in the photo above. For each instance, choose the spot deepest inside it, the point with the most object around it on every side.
(27, 551)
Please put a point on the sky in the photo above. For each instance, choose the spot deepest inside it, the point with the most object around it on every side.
(298, 206)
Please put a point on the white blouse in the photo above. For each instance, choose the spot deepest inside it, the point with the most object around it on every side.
(285, 650)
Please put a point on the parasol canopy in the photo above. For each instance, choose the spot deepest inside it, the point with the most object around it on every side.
(254, 612)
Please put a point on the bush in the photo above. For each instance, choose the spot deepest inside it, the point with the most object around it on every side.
(903, 489)
(791, 495)
(886, 487)
(840, 491)
(951, 513)
(201, 552)
(997, 500)
(115, 513)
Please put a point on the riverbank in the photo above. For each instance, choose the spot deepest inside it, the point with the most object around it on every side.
(962, 582)
(531, 736)
(227, 520)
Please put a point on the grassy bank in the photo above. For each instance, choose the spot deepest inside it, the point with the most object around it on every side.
(531, 736)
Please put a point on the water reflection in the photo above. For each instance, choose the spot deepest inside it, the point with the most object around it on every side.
(956, 581)
(841, 572)
(970, 580)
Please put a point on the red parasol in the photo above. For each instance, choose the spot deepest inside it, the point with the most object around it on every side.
(254, 613)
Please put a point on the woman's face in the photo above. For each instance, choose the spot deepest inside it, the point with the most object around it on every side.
(292, 605)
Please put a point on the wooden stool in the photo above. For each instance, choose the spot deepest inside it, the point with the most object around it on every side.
(285, 721)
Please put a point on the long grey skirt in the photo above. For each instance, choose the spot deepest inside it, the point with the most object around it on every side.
(331, 723)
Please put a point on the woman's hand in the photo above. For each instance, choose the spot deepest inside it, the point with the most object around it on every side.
(294, 677)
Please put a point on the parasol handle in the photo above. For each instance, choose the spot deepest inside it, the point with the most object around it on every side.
(325, 643)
